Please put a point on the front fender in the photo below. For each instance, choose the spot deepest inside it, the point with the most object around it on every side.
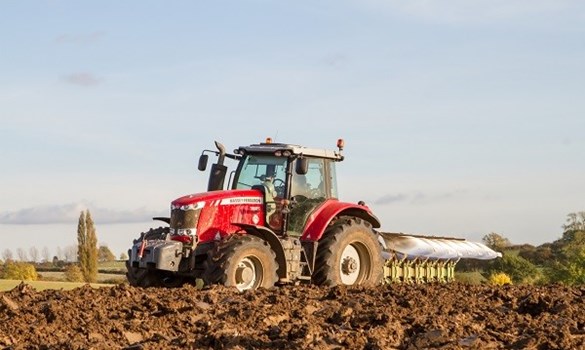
(321, 218)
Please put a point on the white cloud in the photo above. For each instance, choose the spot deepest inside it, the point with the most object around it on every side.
(69, 213)
(418, 197)
(82, 79)
(89, 38)
(391, 198)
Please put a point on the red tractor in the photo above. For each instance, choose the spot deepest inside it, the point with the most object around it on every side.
(281, 222)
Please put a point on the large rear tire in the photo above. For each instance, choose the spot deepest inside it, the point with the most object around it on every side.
(140, 277)
(349, 254)
(245, 262)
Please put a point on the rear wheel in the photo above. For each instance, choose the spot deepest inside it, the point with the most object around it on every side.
(349, 254)
(141, 277)
(245, 262)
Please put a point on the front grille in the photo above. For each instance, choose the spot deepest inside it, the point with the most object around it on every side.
(184, 219)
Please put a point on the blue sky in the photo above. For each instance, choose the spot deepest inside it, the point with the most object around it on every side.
(460, 117)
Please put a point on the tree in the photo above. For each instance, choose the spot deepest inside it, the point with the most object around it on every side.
(496, 241)
(92, 248)
(7, 255)
(57, 262)
(105, 254)
(69, 253)
(87, 250)
(21, 254)
(45, 254)
(573, 231)
(123, 256)
(33, 252)
(569, 263)
(571, 271)
(575, 222)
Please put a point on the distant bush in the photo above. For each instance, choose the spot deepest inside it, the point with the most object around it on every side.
(19, 271)
(105, 254)
(571, 271)
(73, 273)
(469, 278)
(499, 279)
(519, 269)
(541, 255)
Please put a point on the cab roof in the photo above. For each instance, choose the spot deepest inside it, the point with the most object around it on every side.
(272, 148)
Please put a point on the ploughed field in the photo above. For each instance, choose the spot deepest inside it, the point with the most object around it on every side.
(446, 316)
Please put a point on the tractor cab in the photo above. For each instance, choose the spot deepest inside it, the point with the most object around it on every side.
(294, 180)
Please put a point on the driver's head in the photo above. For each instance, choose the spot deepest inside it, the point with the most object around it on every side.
(299, 184)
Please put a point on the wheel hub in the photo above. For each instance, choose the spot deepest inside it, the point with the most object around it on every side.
(246, 274)
(349, 265)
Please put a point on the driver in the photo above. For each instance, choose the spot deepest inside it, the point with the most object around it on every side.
(300, 186)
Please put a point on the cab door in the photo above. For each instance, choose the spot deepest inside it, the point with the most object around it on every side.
(308, 192)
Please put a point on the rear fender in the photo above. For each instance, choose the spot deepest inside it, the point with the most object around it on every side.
(322, 217)
(269, 236)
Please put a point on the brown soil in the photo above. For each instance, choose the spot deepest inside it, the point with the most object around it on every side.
(446, 316)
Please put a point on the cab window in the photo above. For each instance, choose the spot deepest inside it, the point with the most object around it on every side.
(312, 184)
(256, 169)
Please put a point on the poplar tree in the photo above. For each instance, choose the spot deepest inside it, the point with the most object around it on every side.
(87, 250)
(82, 245)
(92, 249)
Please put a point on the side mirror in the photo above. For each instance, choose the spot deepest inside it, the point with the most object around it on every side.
(203, 162)
(302, 166)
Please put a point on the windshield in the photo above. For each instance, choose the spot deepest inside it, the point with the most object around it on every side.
(255, 169)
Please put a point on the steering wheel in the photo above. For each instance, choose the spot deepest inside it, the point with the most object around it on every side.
(261, 177)
(279, 187)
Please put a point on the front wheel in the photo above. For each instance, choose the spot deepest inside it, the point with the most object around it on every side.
(349, 254)
(245, 262)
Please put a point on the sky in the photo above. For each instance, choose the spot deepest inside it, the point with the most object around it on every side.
(460, 118)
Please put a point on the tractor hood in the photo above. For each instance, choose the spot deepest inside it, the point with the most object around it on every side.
(209, 216)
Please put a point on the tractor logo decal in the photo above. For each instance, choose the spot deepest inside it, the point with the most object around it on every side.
(241, 200)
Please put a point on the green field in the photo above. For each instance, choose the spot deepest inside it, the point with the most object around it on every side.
(112, 274)
(101, 278)
(6, 285)
(117, 265)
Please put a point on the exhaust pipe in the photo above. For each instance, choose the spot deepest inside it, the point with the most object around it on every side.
(218, 170)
